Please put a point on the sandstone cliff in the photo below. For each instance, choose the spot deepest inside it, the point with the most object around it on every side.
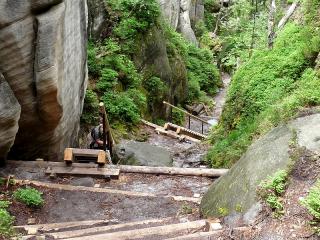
(44, 68)
(182, 15)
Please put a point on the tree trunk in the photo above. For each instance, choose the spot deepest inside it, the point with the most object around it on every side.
(286, 17)
(271, 23)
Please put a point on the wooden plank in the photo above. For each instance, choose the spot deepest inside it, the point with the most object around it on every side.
(106, 190)
(85, 152)
(201, 172)
(80, 171)
(63, 226)
(147, 232)
(104, 229)
(198, 236)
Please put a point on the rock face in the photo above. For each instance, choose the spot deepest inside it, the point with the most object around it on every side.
(183, 15)
(97, 19)
(44, 68)
(237, 189)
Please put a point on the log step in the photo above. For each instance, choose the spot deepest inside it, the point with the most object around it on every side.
(108, 229)
(147, 232)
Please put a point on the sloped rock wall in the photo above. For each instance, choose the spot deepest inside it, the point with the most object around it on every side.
(43, 63)
(237, 189)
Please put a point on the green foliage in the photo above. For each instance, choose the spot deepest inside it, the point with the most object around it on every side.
(312, 201)
(4, 204)
(223, 211)
(29, 196)
(178, 117)
(6, 223)
(269, 89)
(121, 107)
(90, 108)
(271, 190)
(201, 68)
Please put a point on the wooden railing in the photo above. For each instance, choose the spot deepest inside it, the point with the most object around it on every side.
(189, 116)
(108, 141)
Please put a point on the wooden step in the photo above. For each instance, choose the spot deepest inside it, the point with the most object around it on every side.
(80, 171)
(146, 232)
(106, 190)
(105, 229)
(64, 226)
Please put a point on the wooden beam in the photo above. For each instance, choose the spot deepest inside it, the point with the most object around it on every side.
(63, 226)
(201, 172)
(147, 232)
(198, 236)
(80, 171)
(104, 229)
(106, 190)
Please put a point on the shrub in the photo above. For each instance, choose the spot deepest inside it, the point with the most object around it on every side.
(29, 196)
(312, 201)
(90, 108)
(271, 189)
(6, 223)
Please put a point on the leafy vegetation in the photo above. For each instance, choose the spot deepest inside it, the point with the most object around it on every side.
(131, 88)
(6, 220)
(29, 196)
(312, 203)
(269, 89)
(272, 189)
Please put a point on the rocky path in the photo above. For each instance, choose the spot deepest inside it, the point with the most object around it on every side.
(188, 154)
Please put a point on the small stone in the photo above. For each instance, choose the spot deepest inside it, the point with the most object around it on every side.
(40, 238)
(196, 195)
(39, 159)
(215, 226)
(96, 185)
(32, 231)
(184, 220)
(53, 175)
(31, 221)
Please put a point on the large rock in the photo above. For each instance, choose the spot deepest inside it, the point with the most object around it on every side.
(43, 61)
(183, 15)
(143, 154)
(237, 189)
(97, 19)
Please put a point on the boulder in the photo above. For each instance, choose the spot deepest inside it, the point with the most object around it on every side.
(43, 61)
(143, 154)
(237, 189)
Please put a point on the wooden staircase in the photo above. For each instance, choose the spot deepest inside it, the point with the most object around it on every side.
(151, 229)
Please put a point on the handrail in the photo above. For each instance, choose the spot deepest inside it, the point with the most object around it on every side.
(106, 129)
(189, 114)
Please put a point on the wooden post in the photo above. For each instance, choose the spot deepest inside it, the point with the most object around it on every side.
(189, 122)
(202, 127)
